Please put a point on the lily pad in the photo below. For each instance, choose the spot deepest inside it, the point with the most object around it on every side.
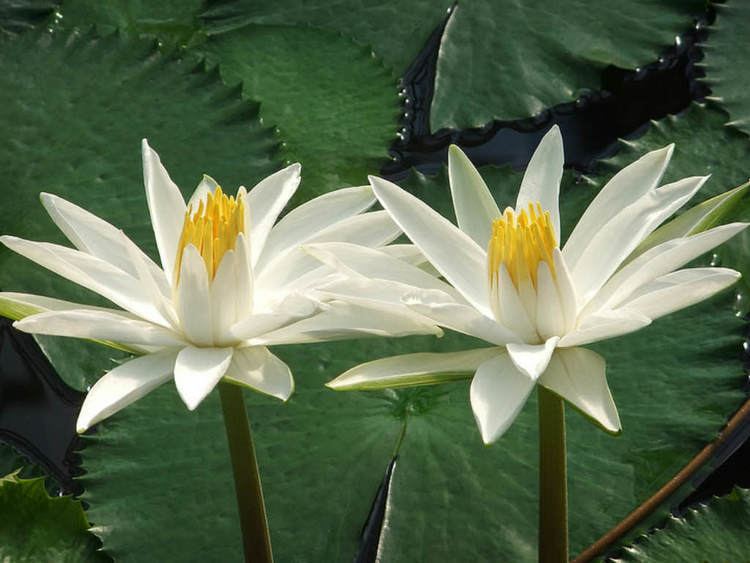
(726, 62)
(78, 107)
(17, 16)
(37, 527)
(508, 60)
(717, 531)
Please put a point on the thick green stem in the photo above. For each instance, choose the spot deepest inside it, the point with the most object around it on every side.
(256, 540)
(553, 482)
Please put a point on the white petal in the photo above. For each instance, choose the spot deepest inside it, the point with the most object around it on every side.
(223, 296)
(413, 369)
(510, 310)
(658, 261)
(618, 238)
(550, 320)
(532, 359)
(541, 181)
(498, 393)
(95, 236)
(625, 187)
(260, 324)
(166, 207)
(578, 376)
(198, 370)
(124, 385)
(678, 290)
(206, 186)
(475, 207)
(467, 320)
(193, 298)
(266, 200)
(455, 255)
(307, 220)
(350, 320)
(565, 290)
(375, 264)
(99, 325)
(604, 325)
(259, 369)
(92, 273)
(373, 292)
(411, 254)
(19, 305)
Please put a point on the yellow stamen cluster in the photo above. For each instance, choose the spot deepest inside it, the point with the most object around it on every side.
(520, 241)
(212, 229)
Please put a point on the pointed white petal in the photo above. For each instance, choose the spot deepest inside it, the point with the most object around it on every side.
(223, 296)
(612, 244)
(198, 370)
(92, 273)
(373, 292)
(541, 181)
(99, 325)
(565, 291)
(124, 385)
(166, 207)
(262, 323)
(604, 325)
(206, 186)
(550, 320)
(413, 369)
(193, 298)
(19, 305)
(306, 221)
(467, 320)
(532, 359)
(678, 290)
(259, 369)
(350, 320)
(498, 393)
(455, 255)
(475, 207)
(411, 254)
(266, 200)
(510, 310)
(658, 261)
(578, 376)
(625, 187)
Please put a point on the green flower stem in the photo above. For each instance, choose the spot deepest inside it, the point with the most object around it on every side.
(256, 540)
(553, 483)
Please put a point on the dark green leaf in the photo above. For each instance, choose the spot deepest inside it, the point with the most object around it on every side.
(21, 15)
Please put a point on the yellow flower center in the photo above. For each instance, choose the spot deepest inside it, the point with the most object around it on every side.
(212, 229)
(520, 241)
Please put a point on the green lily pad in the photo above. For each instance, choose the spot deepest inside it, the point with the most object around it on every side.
(335, 105)
(726, 62)
(395, 33)
(39, 528)
(507, 60)
(717, 531)
(17, 16)
(78, 107)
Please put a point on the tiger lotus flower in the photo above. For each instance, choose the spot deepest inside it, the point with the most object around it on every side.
(509, 283)
(230, 284)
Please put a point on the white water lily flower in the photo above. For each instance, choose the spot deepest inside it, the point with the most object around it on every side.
(510, 283)
(230, 284)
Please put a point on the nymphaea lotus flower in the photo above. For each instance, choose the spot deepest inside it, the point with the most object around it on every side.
(512, 285)
(230, 284)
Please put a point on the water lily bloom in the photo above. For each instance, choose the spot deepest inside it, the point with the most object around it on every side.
(230, 284)
(509, 282)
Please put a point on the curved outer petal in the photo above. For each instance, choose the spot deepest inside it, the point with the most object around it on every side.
(413, 369)
(351, 320)
(455, 255)
(259, 369)
(263, 323)
(475, 207)
(624, 189)
(578, 376)
(467, 320)
(97, 237)
(678, 290)
(99, 325)
(306, 221)
(166, 207)
(658, 261)
(604, 325)
(92, 273)
(20, 305)
(541, 181)
(618, 238)
(498, 393)
(265, 201)
(374, 292)
(198, 370)
(194, 299)
(124, 385)
(532, 359)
